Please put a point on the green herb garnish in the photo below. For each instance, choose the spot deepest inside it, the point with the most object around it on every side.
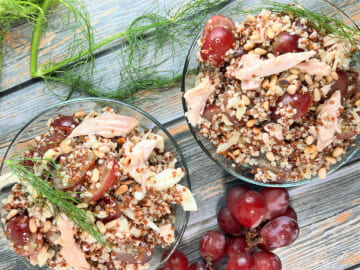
(60, 201)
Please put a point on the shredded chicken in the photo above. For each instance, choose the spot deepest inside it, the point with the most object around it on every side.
(108, 125)
(314, 68)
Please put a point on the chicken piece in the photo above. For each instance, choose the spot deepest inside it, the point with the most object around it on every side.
(196, 98)
(314, 68)
(108, 125)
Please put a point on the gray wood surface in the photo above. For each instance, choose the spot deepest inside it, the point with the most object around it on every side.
(328, 210)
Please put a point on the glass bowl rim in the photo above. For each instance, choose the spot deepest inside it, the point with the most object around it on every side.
(217, 161)
(122, 103)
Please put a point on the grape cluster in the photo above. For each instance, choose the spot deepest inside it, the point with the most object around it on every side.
(256, 222)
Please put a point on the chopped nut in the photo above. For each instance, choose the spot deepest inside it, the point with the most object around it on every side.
(95, 175)
(270, 33)
(47, 226)
(322, 173)
(270, 56)
(291, 89)
(308, 79)
(270, 156)
(357, 103)
(32, 225)
(316, 95)
(12, 213)
(314, 155)
(329, 78)
(267, 105)
(250, 18)
(256, 130)
(248, 46)
(334, 75)
(265, 138)
(121, 190)
(145, 203)
(137, 187)
(251, 123)
(101, 226)
(292, 77)
(255, 37)
(104, 148)
(266, 84)
(331, 160)
(309, 140)
(245, 99)
(318, 78)
(294, 71)
(236, 153)
(65, 146)
(125, 161)
(338, 151)
(111, 224)
(260, 51)
(80, 114)
(310, 149)
(99, 154)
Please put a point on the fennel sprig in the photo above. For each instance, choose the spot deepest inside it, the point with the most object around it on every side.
(57, 201)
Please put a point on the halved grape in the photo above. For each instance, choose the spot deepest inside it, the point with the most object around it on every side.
(212, 246)
(267, 261)
(276, 201)
(280, 232)
(65, 123)
(110, 205)
(300, 101)
(217, 42)
(228, 223)
(241, 262)
(18, 230)
(286, 43)
(250, 209)
(341, 84)
(216, 21)
(210, 111)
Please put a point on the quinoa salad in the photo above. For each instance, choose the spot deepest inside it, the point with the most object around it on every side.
(275, 94)
(118, 173)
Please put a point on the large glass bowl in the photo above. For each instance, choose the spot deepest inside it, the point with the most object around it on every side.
(192, 67)
(38, 125)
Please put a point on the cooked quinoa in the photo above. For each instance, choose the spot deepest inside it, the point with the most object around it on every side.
(127, 183)
(255, 97)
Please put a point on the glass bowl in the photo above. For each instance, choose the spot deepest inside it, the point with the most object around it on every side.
(192, 67)
(38, 125)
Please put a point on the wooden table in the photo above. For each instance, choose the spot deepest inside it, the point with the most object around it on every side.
(328, 210)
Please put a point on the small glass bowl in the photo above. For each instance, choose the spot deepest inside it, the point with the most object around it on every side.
(37, 125)
(243, 172)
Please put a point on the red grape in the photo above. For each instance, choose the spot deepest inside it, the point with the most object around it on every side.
(276, 201)
(228, 223)
(49, 142)
(65, 123)
(250, 209)
(177, 261)
(209, 112)
(233, 196)
(241, 262)
(267, 261)
(111, 207)
(236, 245)
(300, 102)
(286, 43)
(280, 232)
(18, 230)
(199, 265)
(341, 84)
(216, 21)
(290, 212)
(212, 246)
(217, 42)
